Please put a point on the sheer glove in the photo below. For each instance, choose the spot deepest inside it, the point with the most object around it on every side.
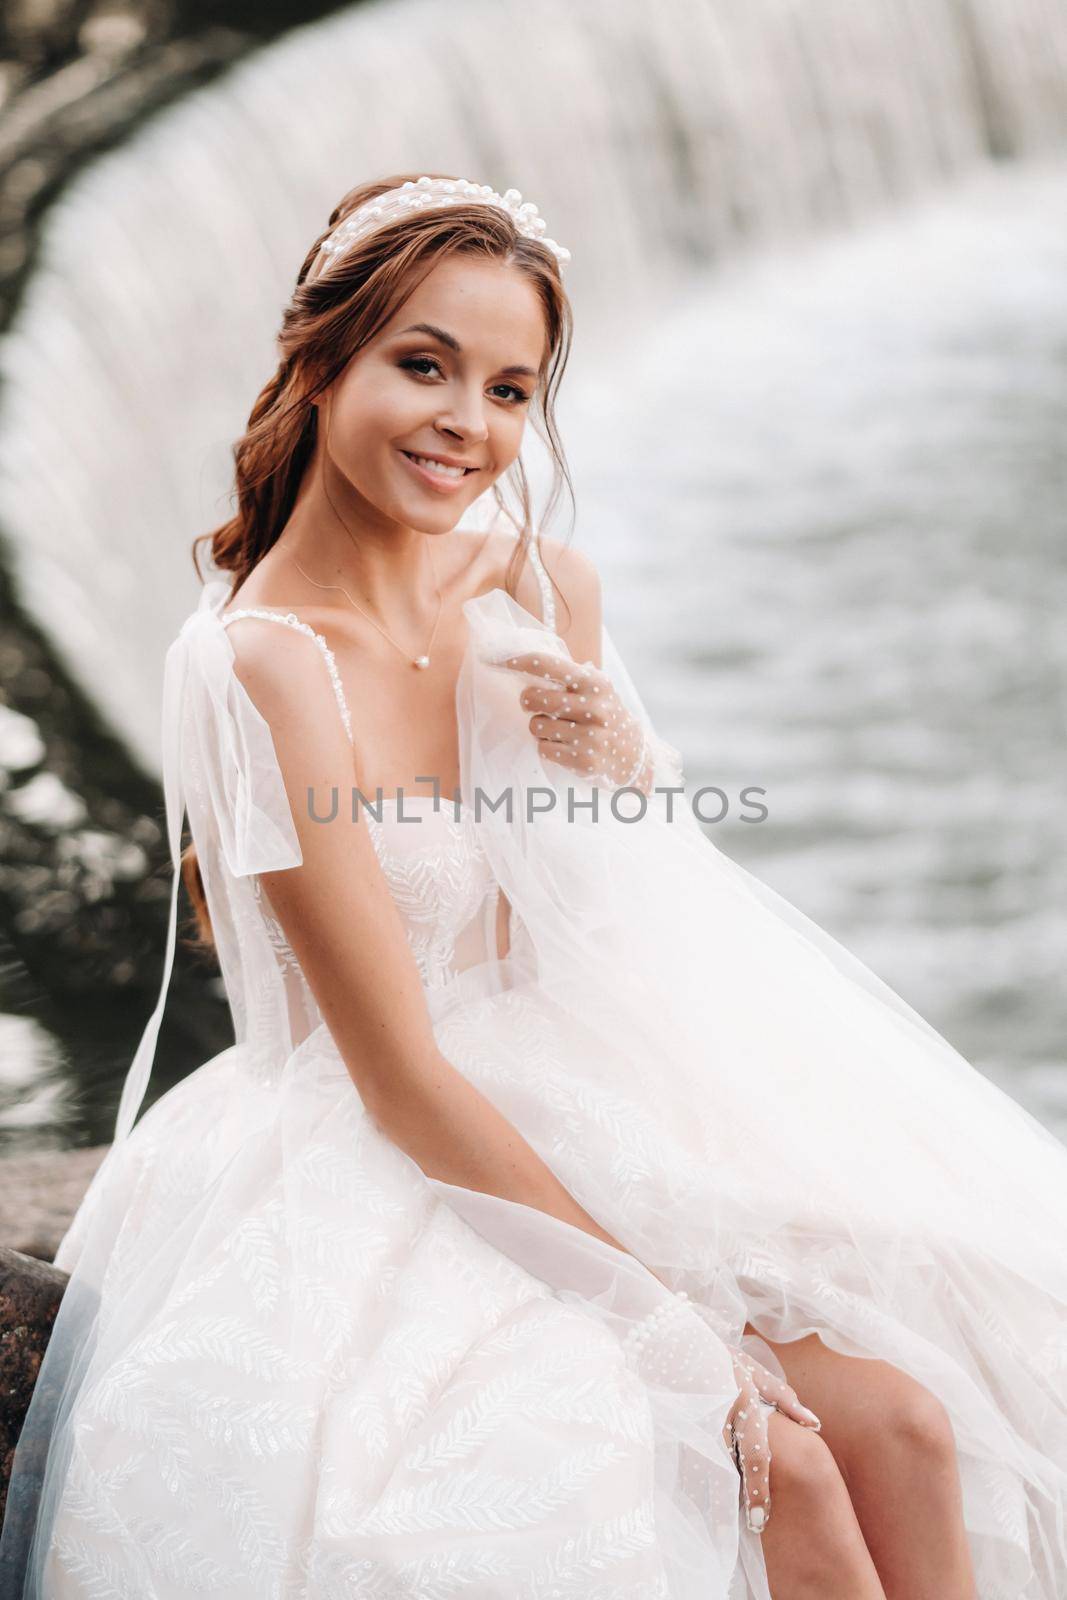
(581, 724)
(660, 1348)
(746, 1431)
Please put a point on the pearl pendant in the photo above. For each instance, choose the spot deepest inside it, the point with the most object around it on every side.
(422, 661)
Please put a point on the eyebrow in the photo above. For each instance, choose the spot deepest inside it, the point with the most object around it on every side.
(453, 344)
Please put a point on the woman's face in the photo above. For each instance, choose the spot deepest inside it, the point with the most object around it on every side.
(448, 380)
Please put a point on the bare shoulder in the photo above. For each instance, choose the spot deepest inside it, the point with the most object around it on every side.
(575, 577)
(277, 663)
(253, 640)
(576, 585)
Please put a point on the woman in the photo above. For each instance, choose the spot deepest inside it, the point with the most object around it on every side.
(565, 1193)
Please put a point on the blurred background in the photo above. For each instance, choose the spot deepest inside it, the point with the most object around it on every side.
(814, 414)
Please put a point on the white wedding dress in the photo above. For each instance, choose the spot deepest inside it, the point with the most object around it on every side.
(288, 1364)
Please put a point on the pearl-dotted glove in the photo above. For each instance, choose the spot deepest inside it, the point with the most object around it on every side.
(747, 1435)
(661, 1346)
(580, 723)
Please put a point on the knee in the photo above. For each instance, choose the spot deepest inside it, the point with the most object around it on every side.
(802, 1468)
(918, 1425)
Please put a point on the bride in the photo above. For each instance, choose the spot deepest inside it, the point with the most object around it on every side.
(571, 1216)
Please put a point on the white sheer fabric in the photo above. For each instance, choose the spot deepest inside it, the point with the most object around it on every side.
(290, 1364)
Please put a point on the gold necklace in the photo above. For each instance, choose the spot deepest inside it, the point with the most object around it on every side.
(422, 662)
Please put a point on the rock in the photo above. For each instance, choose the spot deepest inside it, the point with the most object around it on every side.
(39, 1194)
(30, 1292)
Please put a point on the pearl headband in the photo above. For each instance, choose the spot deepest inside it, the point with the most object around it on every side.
(429, 193)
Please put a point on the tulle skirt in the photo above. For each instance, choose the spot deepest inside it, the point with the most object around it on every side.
(304, 1373)
(299, 1366)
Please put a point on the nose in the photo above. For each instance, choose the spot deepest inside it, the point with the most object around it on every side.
(464, 418)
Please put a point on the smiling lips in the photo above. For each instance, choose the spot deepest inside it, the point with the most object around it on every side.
(437, 472)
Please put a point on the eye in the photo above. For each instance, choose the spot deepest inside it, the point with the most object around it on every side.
(411, 362)
(520, 394)
(515, 396)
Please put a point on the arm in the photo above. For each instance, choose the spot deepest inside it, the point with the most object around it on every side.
(341, 921)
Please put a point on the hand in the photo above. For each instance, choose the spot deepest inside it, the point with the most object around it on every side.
(580, 723)
(760, 1392)
(746, 1431)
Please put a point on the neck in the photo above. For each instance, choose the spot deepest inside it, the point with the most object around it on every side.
(337, 538)
(392, 577)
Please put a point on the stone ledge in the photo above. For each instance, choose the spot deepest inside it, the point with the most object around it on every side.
(30, 1292)
(39, 1194)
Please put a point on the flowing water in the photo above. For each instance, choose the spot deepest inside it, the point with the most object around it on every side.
(814, 414)
(827, 498)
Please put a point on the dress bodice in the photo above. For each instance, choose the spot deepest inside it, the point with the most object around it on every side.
(440, 878)
(433, 861)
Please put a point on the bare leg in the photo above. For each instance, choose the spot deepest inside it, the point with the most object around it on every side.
(812, 1544)
(892, 1441)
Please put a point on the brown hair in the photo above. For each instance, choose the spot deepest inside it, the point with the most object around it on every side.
(329, 318)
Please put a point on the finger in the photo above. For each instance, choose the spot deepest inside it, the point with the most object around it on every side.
(582, 748)
(756, 1459)
(556, 702)
(554, 668)
(557, 735)
(561, 730)
(588, 682)
(566, 755)
(784, 1397)
(582, 710)
(791, 1407)
(753, 1456)
(561, 754)
(558, 730)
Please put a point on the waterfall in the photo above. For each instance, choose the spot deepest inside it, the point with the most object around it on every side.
(657, 140)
